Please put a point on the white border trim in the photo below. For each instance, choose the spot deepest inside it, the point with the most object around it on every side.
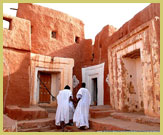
(36, 85)
(91, 72)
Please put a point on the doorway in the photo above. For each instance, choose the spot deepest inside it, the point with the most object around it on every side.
(94, 91)
(132, 65)
(93, 76)
(44, 84)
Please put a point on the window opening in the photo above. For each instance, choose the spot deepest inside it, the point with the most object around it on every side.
(53, 34)
(77, 39)
(7, 23)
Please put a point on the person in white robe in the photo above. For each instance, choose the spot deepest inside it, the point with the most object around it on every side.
(81, 114)
(65, 108)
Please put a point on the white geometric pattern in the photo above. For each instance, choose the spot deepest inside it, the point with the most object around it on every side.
(107, 80)
(75, 81)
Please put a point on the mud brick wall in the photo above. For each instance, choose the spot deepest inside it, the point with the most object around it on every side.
(82, 55)
(67, 28)
(52, 33)
(100, 55)
(44, 21)
(16, 62)
(144, 39)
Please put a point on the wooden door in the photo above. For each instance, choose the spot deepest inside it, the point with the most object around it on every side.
(44, 96)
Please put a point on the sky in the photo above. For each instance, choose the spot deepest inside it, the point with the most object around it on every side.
(94, 15)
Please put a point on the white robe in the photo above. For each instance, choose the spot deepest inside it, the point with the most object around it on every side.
(71, 110)
(81, 113)
(64, 108)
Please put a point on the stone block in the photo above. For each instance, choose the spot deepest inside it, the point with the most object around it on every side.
(18, 36)
(45, 21)
(17, 113)
(9, 125)
(16, 75)
(99, 114)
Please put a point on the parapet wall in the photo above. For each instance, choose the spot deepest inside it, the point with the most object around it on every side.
(18, 35)
(16, 62)
(52, 33)
(150, 12)
(134, 63)
(109, 36)
(51, 30)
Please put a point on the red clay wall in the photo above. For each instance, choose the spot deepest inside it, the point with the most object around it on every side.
(153, 10)
(135, 78)
(81, 53)
(146, 22)
(43, 22)
(108, 36)
(100, 56)
(16, 62)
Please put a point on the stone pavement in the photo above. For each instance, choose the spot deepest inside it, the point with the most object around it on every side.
(102, 119)
(112, 124)
(9, 125)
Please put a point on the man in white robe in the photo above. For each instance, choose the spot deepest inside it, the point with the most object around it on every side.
(81, 114)
(65, 108)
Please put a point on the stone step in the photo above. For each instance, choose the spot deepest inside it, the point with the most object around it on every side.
(42, 129)
(53, 130)
(31, 113)
(100, 114)
(36, 125)
(48, 108)
(100, 111)
(71, 129)
(136, 117)
(112, 124)
(75, 129)
(9, 125)
(47, 127)
(100, 108)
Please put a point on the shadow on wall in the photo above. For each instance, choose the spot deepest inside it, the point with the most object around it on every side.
(16, 78)
(81, 53)
(85, 54)
(16, 71)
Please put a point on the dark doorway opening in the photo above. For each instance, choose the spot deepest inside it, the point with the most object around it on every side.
(95, 91)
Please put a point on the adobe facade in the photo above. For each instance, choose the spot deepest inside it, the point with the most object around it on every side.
(51, 30)
(121, 69)
(16, 62)
(134, 63)
(134, 71)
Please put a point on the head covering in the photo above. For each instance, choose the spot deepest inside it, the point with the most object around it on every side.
(67, 87)
(83, 85)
